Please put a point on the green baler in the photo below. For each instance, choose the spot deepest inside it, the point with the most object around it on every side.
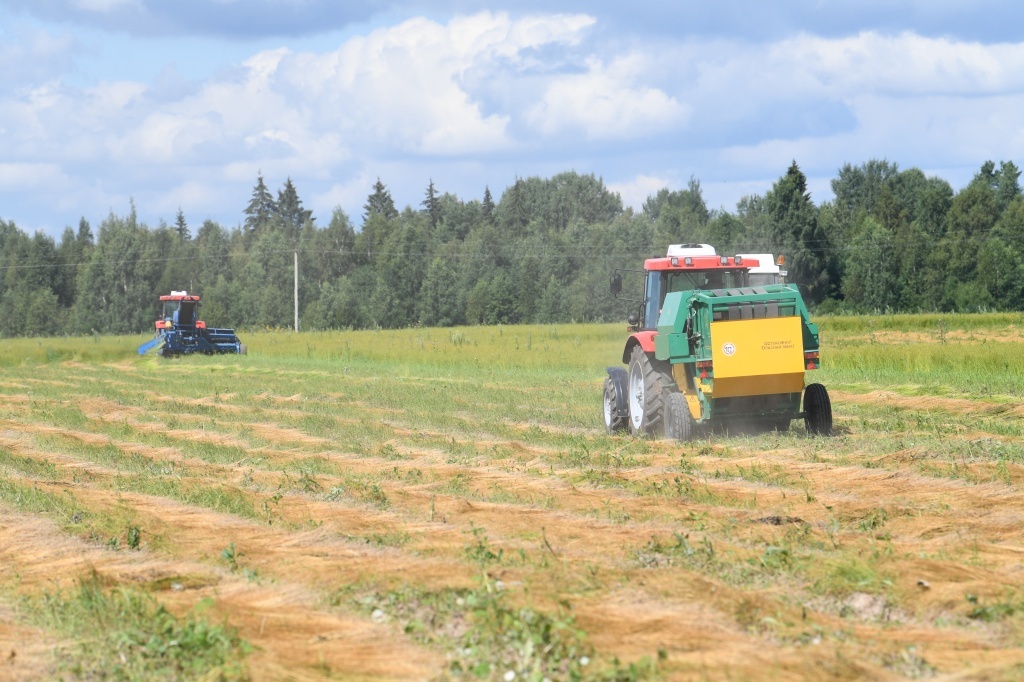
(710, 346)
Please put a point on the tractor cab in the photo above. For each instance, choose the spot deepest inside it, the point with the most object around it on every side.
(689, 267)
(180, 311)
(767, 271)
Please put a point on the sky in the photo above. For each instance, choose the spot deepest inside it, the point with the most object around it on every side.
(105, 104)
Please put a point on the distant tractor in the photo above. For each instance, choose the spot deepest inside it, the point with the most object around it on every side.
(716, 340)
(180, 332)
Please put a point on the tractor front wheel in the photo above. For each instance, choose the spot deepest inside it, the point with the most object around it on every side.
(678, 420)
(648, 385)
(817, 410)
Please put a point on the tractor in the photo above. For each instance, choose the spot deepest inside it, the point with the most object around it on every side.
(180, 332)
(716, 341)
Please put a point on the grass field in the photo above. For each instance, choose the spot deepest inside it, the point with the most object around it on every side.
(444, 503)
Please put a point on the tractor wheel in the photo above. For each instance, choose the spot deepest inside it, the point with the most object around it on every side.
(614, 419)
(817, 410)
(648, 384)
(678, 420)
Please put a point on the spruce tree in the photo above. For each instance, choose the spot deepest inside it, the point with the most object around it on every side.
(487, 207)
(797, 234)
(431, 206)
(181, 227)
(379, 203)
(260, 210)
(290, 211)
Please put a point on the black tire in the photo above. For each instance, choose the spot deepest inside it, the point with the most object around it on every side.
(615, 417)
(649, 381)
(817, 410)
(677, 418)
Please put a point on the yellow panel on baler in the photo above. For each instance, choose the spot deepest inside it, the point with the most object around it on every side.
(757, 357)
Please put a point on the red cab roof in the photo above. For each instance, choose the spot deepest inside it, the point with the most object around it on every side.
(699, 263)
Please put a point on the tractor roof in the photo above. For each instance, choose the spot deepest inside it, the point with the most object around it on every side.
(700, 263)
(179, 296)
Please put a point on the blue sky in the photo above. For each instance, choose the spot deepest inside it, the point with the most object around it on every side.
(181, 104)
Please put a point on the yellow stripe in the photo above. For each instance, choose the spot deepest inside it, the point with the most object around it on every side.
(732, 387)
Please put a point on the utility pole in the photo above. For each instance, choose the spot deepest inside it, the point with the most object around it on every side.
(296, 253)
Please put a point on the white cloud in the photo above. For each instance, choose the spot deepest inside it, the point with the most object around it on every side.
(105, 6)
(634, 192)
(904, 64)
(499, 95)
(15, 177)
(608, 101)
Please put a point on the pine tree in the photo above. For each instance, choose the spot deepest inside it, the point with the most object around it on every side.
(1008, 184)
(379, 203)
(487, 207)
(520, 216)
(181, 227)
(290, 211)
(796, 233)
(260, 210)
(431, 206)
(84, 236)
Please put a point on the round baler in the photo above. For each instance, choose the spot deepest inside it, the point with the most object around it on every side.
(716, 340)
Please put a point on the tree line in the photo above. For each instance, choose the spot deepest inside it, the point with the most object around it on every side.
(890, 240)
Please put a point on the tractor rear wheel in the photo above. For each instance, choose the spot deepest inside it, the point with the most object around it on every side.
(678, 421)
(648, 384)
(817, 410)
(614, 419)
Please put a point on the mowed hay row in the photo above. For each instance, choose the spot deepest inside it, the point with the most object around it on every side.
(351, 501)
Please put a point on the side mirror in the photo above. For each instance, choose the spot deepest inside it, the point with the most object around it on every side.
(616, 287)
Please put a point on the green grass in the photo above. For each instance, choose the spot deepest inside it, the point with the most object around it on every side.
(125, 634)
(464, 445)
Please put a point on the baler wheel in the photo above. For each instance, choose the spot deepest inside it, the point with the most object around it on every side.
(817, 410)
(614, 419)
(648, 384)
(678, 420)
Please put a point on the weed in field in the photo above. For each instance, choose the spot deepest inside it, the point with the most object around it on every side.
(657, 553)
(847, 575)
(125, 634)
(133, 537)
(376, 496)
(388, 451)
(874, 519)
(909, 663)
(29, 466)
(230, 555)
(269, 508)
(993, 611)
(479, 550)
(393, 538)
(487, 637)
(32, 499)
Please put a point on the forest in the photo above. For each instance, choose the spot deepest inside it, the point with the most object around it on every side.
(891, 240)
